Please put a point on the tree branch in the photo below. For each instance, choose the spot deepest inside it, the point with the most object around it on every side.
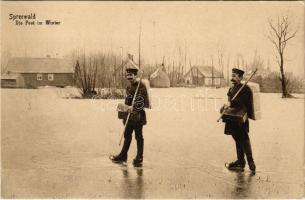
(273, 42)
(273, 28)
(290, 37)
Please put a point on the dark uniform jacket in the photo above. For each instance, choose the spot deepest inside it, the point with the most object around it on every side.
(138, 116)
(241, 102)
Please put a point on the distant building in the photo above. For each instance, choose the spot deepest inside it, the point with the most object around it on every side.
(118, 76)
(10, 80)
(159, 79)
(35, 72)
(203, 76)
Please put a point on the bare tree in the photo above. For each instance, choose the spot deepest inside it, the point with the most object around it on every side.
(228, 72)
(85, 76)
(258, 62)
(239, 61)
(220, 54)
(280, 32)
(212, 63)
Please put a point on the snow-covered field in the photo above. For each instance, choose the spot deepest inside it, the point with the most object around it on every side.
(56, 147)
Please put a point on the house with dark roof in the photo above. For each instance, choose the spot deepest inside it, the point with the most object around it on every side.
(203, 76)
(35, 72)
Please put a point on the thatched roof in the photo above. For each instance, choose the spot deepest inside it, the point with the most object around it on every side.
(130, 64)
(127, 64)
(159, 79)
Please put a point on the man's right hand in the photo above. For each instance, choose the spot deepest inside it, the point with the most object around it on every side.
(227, 105)
(224, 107)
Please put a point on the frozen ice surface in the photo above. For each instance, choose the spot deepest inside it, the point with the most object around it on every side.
(56, 147)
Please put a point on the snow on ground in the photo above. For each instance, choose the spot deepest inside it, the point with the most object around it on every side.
(56, 147)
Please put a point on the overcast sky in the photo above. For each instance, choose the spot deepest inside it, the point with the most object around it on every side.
(203, 27)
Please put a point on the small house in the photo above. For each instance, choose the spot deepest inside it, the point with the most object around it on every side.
(36, 72)
(203, 76)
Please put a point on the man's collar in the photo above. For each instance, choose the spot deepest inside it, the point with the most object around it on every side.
(238, 84)
(134, 83)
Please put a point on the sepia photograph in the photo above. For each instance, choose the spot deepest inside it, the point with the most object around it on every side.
(152, 100)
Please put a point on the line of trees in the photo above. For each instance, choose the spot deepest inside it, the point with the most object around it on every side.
(106, 70)
(96, 71)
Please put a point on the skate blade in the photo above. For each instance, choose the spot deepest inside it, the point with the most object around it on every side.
(235, 169)
(111, 157)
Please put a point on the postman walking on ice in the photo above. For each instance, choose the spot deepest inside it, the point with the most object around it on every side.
(236, 116)
(137, 118)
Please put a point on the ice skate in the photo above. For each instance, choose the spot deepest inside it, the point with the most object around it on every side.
(118, 159)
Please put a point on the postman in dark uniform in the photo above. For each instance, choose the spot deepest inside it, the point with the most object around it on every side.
(239, 129)
(137, 117)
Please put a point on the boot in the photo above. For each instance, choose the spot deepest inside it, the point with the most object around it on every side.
(119, 158)
(236, 166)
(248, 151)
(122, 157)
(240, 163)
(137, 161)
(139, 158)
(240, 154)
